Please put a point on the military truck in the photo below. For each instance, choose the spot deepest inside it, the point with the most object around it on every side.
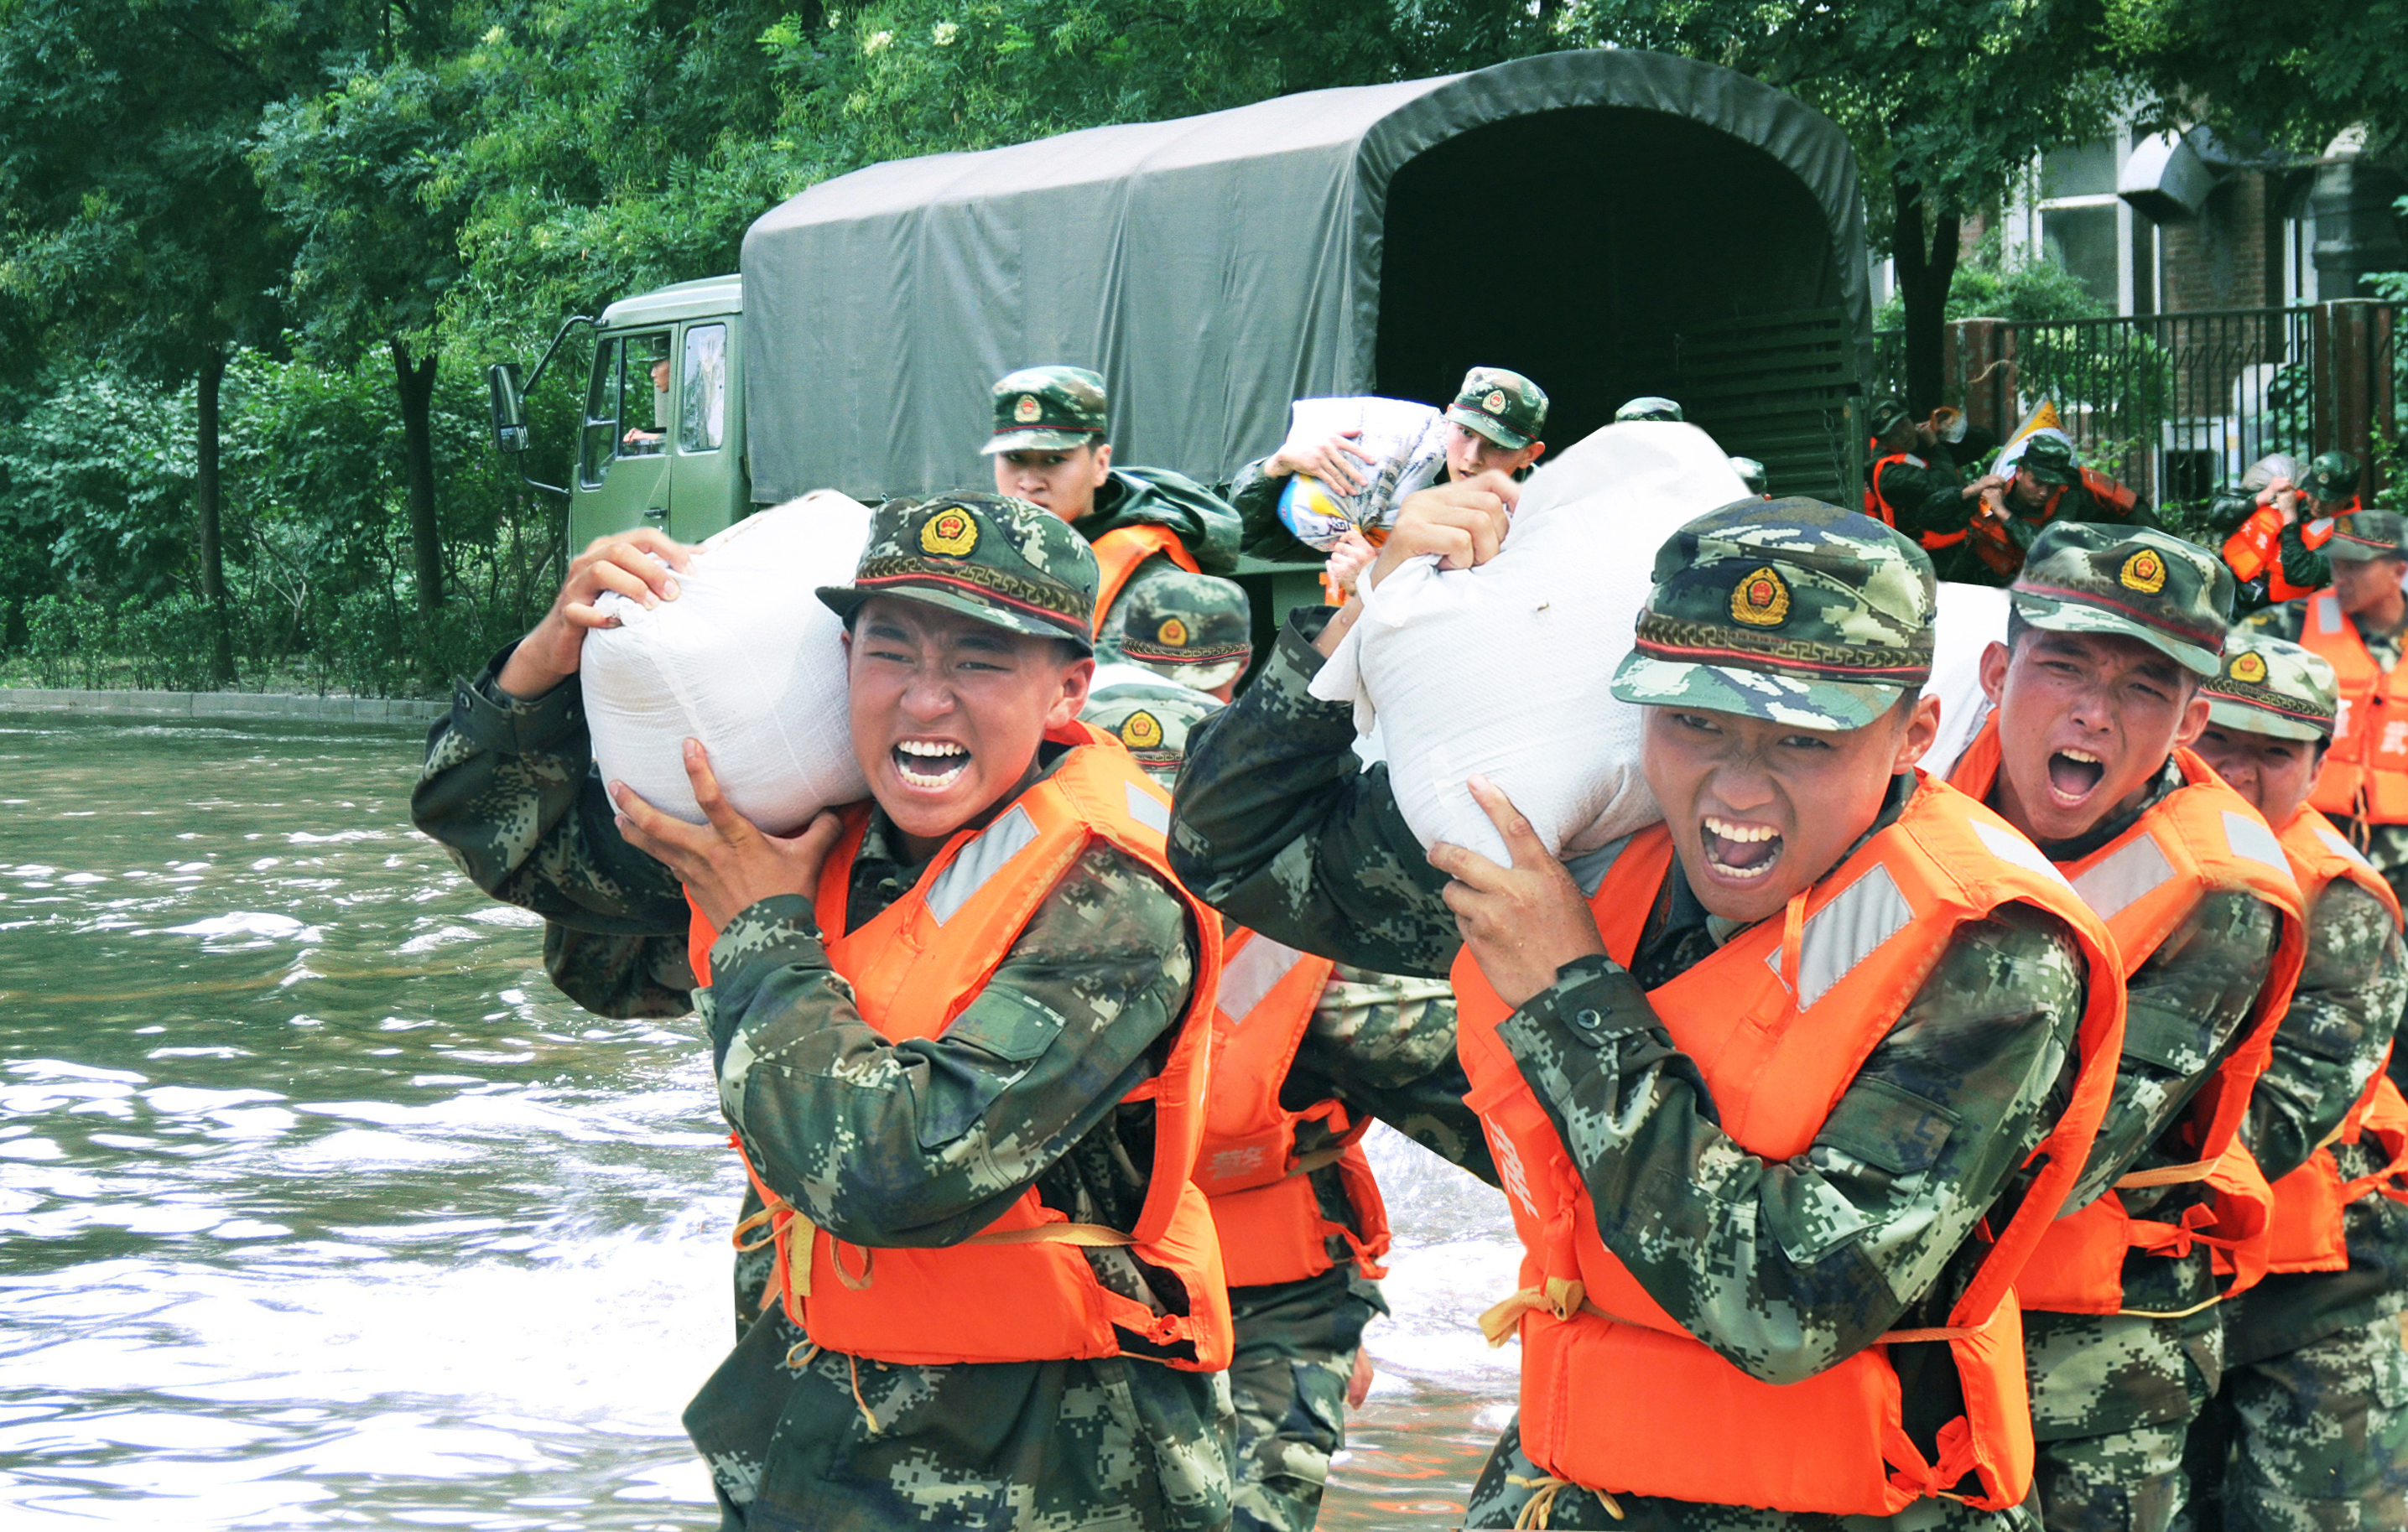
(1610, 222)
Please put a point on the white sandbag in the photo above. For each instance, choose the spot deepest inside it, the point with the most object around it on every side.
(1504, 669)
(1972, 618)
(1407, 446)
(747, 660)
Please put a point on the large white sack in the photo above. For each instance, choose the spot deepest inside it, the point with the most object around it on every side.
(1406, 443)
(1972, 618)
(1504, 669)
(746, 660)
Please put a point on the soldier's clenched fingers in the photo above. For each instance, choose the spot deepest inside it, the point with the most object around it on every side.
(1521, 838)
(731, 825)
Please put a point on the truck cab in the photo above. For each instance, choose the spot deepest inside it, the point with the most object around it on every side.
(661, 434)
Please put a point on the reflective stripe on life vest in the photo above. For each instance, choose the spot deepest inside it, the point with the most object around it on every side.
(1020, 1289)
(1263, 1198)
(2310, 1202)
(1118, 553)
(1613, 1389)
(2202, 837)
(2365, 773)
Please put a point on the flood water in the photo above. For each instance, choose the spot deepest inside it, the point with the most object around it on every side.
(319, 1207)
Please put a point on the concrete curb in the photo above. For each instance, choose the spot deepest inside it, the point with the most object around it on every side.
(225, 705)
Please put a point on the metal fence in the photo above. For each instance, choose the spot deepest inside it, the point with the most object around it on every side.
(2175, 405)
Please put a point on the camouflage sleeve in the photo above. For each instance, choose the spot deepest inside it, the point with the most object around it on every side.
(2302, 565)
(2183, 1012)
(1942, 511)
(1787, 1267)
(927, 1140)
(509, 790)
(1384, 1044)
(1264, 536)
(2333, 1037)
(1276, 824)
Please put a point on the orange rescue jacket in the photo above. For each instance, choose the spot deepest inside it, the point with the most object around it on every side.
(1262, 1193)
(2202, 837)
(1018, 1290)
(2366, 772)
(2255, 548)
(1875, 506)
(2308, 1202)
(1615, 1394)
(1119, 552)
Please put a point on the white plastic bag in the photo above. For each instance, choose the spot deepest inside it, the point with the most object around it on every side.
(1407, 446)
(747, 661)
(1504, 670)
(1972, 618)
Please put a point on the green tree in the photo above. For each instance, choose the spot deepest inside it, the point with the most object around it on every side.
(137, 235)
(2297, 73)
(366, 177)
(1946, 105)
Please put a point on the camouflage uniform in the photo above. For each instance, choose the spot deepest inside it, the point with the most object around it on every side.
(2047, 460)
(1059, 409)
(922, 1142)
(1384, 1045)
(1277, 827)
(1496, 402)
(2365, 535)
(2313, 1413)
(2112, 1394)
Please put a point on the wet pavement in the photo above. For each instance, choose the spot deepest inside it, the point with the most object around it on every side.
(321, 1208)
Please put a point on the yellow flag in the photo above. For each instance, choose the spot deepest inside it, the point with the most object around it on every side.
(2042, 417)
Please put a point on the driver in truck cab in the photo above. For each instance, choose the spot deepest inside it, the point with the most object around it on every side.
(1049, 449)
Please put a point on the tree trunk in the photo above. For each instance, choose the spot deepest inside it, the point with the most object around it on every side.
(415, 383)
(1927, 266)
(206, 501)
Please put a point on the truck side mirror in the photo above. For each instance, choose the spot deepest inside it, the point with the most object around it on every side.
(509, 406)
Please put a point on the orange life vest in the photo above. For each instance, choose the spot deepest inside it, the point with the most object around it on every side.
(2202, 837)
(1875, 507)
(1018, 1290)
(2366, 772)
(2255, 548)
(2308, 1202)
(1262, 1194)
(1119, 552)
(1616, 1395)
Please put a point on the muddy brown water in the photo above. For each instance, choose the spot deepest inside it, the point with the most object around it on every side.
(318, 1206)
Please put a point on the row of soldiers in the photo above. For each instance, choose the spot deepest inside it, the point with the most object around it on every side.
(1871, 1140)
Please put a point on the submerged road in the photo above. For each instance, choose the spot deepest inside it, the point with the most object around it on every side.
(319, 1207)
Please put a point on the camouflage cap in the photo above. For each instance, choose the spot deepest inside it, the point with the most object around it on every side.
(1179, 618)
(2271, 686)
(1789, 611)
(2081, 576)
(1151, 722)
(1648, 407)
(1751, 473)
(2333, 478)
(1887, 414)
(986, 555)
(2364, 536)
(1505, 406)
(1046, 410)
(2049, 460)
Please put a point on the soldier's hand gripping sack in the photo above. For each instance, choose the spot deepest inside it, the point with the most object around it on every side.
(747, 661)
(1407, 446)
(1504, 670)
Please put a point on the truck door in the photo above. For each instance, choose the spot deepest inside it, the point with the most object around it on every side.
(623, 460)
(707, 487)
(1783, 390)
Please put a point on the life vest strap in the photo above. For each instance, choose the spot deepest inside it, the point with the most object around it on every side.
(1539, 1511)
(2165, 1175)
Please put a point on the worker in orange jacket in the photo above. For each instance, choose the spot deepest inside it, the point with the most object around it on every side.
(2097, 696)
(2310, 1428)
(1050, 447)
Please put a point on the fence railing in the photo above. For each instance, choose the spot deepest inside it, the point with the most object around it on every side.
(2175, 405)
